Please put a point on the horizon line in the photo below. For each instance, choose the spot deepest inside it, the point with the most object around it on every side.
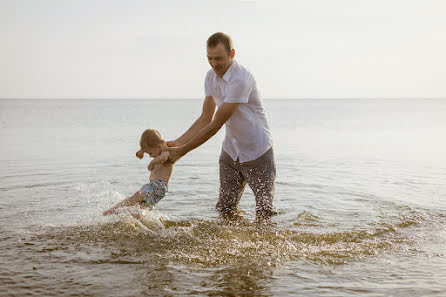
(196, 98)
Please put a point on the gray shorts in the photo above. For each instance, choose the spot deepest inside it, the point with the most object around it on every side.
(259, 174)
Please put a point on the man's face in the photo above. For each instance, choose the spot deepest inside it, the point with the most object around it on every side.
(219, 59)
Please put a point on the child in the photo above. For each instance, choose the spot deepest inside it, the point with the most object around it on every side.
(153, 144)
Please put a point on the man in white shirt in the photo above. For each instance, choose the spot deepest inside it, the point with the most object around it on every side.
(247, 155)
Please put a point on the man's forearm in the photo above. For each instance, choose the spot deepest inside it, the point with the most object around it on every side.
(196, 127)
(225, 111)
(200, 138)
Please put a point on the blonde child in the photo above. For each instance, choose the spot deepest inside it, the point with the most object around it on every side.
(150, 194)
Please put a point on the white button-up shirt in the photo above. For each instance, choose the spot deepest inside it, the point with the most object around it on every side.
(247, 132)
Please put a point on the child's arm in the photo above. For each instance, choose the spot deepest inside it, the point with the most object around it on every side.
(163, 157)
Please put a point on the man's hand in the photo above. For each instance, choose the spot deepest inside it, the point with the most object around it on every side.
(140, 154)
(151, 166)
(175, 154)
(172, 143)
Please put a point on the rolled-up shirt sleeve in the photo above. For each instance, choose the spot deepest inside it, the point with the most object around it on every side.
(238, 91)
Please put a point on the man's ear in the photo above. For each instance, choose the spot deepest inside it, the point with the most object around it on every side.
(232, 55)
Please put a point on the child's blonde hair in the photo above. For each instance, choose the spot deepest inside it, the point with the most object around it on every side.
(150, 138)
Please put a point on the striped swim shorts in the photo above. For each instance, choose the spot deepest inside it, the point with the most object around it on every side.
(154, 192)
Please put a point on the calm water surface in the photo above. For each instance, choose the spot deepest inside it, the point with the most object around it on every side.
(360, 192)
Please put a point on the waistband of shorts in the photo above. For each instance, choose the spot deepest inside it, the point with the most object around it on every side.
(159, 183)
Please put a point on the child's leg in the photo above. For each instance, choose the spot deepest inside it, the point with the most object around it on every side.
(136, 198)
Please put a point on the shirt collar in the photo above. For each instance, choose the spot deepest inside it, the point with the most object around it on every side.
(230, 70)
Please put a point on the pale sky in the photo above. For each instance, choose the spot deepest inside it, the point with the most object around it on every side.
(156, 49)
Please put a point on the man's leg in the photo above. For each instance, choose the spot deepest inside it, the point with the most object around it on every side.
(261, 175)
(232, 184)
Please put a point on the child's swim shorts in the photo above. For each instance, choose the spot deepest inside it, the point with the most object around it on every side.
(154, 192)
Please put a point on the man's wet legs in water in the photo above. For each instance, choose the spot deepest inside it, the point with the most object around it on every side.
(260, 175)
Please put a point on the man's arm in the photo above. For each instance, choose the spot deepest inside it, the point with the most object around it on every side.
(205, 118)
(225, 111)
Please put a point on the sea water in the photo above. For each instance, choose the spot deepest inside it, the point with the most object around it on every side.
(360, 195)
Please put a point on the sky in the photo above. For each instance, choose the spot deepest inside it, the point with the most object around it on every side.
(157, 49)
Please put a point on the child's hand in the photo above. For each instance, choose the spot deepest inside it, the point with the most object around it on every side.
(140, 154)
(151, 166)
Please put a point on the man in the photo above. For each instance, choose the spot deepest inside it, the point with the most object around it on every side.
(247, 155)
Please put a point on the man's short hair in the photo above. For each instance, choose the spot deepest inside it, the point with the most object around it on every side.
(150, 138)
(223, 38)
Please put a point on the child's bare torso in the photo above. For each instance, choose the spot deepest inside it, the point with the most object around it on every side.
(162, 172)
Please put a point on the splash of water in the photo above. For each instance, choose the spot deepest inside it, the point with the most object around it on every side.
(215, 242)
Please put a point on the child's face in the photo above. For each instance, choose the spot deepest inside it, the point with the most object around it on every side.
(153, 151)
